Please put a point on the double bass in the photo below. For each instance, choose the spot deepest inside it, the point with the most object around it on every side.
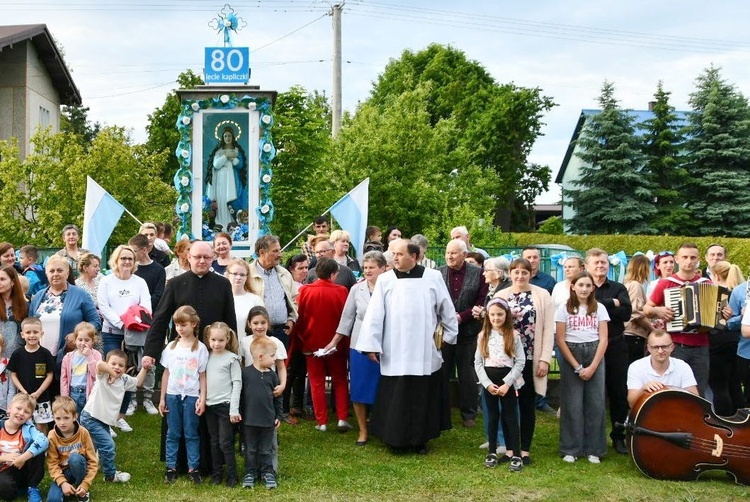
(675, 435)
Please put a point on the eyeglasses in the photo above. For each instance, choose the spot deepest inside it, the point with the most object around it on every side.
(235, 274)
(490, 270)
(202, 257)
(658, 348)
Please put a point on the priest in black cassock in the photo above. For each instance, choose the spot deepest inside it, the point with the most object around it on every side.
(210, 295)
(407, 305)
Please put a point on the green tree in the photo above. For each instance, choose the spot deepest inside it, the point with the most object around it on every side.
(47, 189)
(302, 136)
(612, 194)
(718, 153)
(662, 144)
(496, 124)
(163, 135)
(420, 179)
(74, 119)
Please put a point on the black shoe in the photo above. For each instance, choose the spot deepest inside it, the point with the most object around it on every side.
(421, 449)
(216, 479)
(170, 476)
(195, 476)
(231, 482)
(504, 459)
(620, 447)
(526, 460)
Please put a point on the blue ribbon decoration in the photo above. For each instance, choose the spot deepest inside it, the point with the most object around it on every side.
(619, 262)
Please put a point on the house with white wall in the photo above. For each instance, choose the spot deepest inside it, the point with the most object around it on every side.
(34, 83)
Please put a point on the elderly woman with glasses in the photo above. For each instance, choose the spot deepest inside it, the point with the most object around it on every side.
(245, 298)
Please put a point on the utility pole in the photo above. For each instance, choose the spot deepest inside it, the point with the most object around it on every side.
(336, 98)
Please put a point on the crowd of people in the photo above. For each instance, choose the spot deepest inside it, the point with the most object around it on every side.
(247, 345)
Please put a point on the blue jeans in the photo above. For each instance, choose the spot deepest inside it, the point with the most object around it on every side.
(78, 394)
(74, 474)
(182, 421)
(103, 442)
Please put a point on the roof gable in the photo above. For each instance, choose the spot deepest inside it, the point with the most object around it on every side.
(48, 54)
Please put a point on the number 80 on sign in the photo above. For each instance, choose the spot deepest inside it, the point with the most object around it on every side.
(227, 65)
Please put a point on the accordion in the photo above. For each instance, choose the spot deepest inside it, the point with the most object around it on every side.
(697, 307)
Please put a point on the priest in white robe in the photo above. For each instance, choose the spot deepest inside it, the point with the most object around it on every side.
(407, 305)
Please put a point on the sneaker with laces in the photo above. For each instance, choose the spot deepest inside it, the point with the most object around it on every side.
(34, 494)
(195, 476)
(321, 428)
(131, 408)
(170, 476)
(269, 480)
(119, 477)
(490, 460)
(123, 425)
(248, 481)
(569, 459)
(148, 405)
(516, 464)
(593, 459)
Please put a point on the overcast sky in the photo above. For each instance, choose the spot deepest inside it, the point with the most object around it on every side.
(126, 55)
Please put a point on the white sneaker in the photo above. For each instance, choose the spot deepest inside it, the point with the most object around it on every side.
(123, 425)
(484, 446)
(344, 426)
(321, 428)
(594, 459)
(131, 408)
(148, 405)
(569, 459)
(119, 477)
(501, 450)
(112, 432)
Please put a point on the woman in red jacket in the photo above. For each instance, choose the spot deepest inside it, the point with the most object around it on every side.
(320, 306)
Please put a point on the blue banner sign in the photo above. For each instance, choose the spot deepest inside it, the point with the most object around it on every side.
(227, 65)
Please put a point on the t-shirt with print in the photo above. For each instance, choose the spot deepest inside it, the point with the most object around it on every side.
(185, 366)
(10, 443)
(79, 366)
(31, 368)
(580, 327)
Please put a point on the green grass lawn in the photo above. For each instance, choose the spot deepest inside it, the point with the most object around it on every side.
(328, 466)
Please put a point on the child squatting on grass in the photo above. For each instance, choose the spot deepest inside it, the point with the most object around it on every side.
(499, 364)
(71, 458)
(21, 451)
(103, 407)
(183, 392)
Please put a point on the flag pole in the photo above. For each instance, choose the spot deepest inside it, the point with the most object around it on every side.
(132, 215)
(303, 231)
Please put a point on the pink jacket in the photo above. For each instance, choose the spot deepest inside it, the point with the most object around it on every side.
(67, 361)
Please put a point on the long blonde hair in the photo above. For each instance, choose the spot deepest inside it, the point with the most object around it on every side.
(232, 343)
(729, 273)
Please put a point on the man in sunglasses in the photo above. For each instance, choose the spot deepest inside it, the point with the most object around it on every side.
(659, 370)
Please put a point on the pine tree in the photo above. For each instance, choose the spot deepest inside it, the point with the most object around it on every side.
(665, 171)
(612, 194)
(718, 153)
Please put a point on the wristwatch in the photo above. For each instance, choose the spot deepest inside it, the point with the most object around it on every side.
(578, 369)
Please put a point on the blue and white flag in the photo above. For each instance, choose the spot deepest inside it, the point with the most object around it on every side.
(351, 214)
(101, 213)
